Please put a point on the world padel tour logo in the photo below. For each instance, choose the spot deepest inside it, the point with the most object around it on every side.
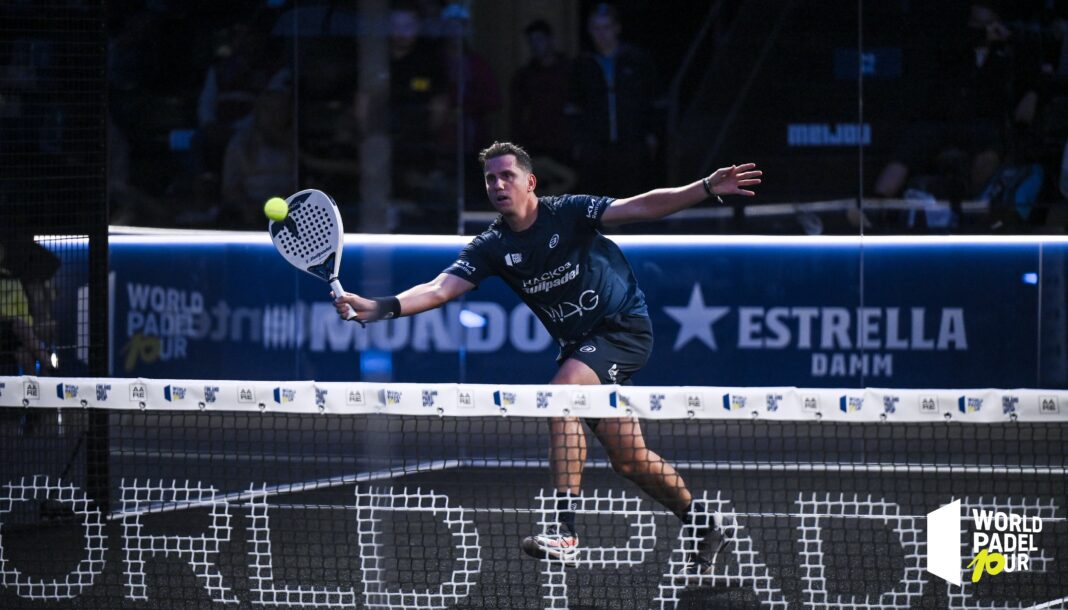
(968, 404)
(389, 398)
(284, 396)
(998, 542)
(66, 391)
(850, 404)
(173, 393)
(503, 399)
(733, 402)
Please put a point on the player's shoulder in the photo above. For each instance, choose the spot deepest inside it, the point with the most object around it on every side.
(489, 238)
(552, 202)
(555, 203)
(590, 206)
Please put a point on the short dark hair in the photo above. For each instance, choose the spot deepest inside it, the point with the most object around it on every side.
(603, 9)
(404, 6)
(538, 25)
(500, 149)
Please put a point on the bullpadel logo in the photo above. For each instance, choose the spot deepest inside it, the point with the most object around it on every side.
(999, 542)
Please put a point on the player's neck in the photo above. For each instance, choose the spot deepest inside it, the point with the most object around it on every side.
(524, 217)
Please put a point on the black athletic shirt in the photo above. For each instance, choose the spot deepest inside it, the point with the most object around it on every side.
(568, 273)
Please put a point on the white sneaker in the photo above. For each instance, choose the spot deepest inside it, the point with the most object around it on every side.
(558, 542)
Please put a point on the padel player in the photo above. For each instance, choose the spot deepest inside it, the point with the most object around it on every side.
(550, 251)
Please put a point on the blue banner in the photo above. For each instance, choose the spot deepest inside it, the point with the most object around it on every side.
(818, 312)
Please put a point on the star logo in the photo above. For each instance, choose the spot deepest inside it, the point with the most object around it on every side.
(695, 320)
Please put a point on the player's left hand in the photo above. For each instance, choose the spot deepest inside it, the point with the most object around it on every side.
(730, 180)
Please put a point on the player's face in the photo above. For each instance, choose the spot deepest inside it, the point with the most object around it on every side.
(507, 184)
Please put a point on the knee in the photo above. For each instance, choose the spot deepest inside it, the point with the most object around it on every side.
(629, 466)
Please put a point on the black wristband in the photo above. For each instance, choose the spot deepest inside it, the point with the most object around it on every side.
(386, 308)
(708, 190)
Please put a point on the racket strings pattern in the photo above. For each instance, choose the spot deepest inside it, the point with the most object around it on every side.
(315, 230)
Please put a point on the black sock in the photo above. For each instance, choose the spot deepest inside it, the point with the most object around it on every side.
(685, 516)
(565, 509)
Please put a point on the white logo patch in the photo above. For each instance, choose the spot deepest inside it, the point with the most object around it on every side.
(555, 239)
(464, 266)
(588, 349)
(513, 259)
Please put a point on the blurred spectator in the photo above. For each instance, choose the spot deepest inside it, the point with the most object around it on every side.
(418, 104)
(961, 144)
(611, 106)
(127, 203)
(27, 327)
(418, 87)
(18, 342)
(260, 160)
(539, 94)
(469, 74)
(474, 95)
(241, 70)
(431, 21)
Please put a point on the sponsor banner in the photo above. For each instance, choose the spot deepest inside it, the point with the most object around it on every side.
(468, 400)
(724, 313)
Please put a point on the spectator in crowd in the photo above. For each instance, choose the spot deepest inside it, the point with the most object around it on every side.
(27, 326)
(260, 160)
(473, 93)
(539, 94)
(128, 204)
(231, 87)
(418, 104)
(468, 73)
(961, 144)
(611, 108)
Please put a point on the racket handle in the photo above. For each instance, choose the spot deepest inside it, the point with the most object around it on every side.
(335, 285)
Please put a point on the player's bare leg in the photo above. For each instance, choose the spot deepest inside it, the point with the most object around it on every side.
(567, 457)
(567, 437)
(711, 532)
(622, 439)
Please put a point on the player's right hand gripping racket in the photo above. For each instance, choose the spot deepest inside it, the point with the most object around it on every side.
(310, 237)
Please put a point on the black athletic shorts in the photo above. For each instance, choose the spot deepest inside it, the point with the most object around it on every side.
(615, 349)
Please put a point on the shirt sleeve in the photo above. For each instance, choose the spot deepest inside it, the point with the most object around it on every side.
(585, 209)
(473, 263)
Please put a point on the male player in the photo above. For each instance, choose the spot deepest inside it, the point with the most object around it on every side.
(550, 252)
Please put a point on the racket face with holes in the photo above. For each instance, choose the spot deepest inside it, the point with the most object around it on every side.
(310, 236)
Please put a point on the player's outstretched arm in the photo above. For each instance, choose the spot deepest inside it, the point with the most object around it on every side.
(658, 203)
(417, 299)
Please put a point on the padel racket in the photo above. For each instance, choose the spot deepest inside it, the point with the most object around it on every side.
(310, 237)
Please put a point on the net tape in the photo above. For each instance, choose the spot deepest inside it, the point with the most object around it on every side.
(480, 400)
(475, 400)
